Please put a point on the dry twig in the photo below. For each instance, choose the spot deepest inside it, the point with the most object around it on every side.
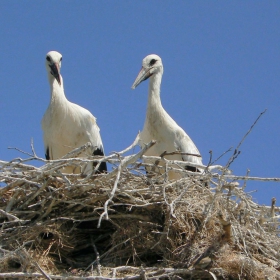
(153, 229)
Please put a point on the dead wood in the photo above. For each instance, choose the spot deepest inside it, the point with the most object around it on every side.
(125, 225)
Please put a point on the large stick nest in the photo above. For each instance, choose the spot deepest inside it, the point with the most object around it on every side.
(127, 225)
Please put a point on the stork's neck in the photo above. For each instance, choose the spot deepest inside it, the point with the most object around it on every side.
(57, 90)
(154, 102)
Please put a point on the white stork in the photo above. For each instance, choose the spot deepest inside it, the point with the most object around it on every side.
(159, 126)
(66, 125)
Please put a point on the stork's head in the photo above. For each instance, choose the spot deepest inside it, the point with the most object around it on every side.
(53, 64)
(151, 65)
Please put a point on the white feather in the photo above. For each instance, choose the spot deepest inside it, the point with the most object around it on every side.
(159, 126)
(66, 125)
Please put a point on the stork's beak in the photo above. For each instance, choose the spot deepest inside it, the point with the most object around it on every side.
(143, 75)
(55, 72)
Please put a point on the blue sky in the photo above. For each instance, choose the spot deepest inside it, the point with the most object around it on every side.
(221, 70)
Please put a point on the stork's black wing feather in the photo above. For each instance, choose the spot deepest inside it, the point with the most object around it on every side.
(103, 166)
(192, 168)
(47, 154)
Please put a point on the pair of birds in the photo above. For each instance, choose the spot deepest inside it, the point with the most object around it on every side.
(67, 125)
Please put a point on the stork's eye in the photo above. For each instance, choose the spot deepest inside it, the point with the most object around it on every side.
(48, 58)
(152, 62)
(61, 59)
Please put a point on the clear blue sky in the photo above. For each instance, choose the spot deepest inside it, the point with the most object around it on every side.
(221, 69)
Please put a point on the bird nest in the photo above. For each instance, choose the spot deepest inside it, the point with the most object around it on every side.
(127, 225)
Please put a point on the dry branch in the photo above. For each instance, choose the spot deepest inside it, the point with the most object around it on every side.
(153, 228)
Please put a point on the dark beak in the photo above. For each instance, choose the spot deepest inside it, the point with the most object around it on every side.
(55, 72)
(143, 75)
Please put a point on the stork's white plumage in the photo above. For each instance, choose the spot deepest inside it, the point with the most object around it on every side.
(66, 125)
(159, 126)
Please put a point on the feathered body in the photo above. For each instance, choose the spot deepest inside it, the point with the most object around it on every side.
(159, 126)
(67, 125)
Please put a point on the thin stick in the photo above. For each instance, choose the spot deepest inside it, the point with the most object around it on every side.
(9, 216)
(123, 164)
(236, 150)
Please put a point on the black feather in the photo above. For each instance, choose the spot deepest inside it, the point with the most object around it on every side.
(103, 165)
(47, 154)
(192, 169)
